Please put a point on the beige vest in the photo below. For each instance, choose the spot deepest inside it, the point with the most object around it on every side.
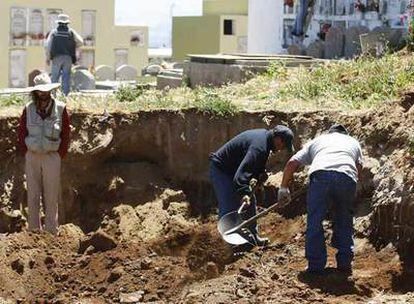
(44, 134)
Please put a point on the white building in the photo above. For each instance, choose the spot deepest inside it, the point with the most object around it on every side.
(271, 22)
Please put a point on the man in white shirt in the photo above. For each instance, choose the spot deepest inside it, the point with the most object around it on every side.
(335, 161)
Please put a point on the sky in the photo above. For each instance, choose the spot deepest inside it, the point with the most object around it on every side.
(156, 14)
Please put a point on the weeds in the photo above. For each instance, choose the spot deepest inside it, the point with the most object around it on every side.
(411, 145)
(13, 100)
(209, 101)
(356, 84)
(128, 93)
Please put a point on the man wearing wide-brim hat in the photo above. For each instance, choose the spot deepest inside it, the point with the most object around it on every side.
(61, 47)
(44, 132)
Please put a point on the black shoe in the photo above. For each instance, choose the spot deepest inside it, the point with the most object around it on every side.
(345, 270)
(260, 241)
(315, 272)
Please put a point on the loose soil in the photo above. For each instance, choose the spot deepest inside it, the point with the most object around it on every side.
(139, 220)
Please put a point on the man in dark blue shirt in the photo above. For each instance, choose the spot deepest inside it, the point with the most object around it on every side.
(242, 158)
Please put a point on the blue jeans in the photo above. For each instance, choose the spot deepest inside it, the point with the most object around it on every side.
(62, 65)
(227, 196)
(298, 29)
(337, 187)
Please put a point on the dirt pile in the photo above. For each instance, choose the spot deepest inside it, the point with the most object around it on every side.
(137, 204)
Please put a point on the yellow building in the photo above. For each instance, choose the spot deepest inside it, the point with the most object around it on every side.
(221, 29)
(25, 25)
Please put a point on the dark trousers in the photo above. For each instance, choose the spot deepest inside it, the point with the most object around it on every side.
(337, 187)
(227, 197)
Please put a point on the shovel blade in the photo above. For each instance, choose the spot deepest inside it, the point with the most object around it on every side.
(228, 222)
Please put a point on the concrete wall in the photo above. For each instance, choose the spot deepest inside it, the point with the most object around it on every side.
(236, 43)
(108, 36)
(195, 35)
(225, 7)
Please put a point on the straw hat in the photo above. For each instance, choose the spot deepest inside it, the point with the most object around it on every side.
(43, 83)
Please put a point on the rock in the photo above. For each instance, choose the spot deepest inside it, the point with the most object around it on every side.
(146, 264)
(11, 221)
(132, 297)
(90, 250)
(100, 240)
(247, 272)
(83, 80)
(241, 293)
(18, 266)
(49, 261)
(212, 270)
(115, 274)
(72, 235)
(126, 72)
(169, 196)
(334, 43)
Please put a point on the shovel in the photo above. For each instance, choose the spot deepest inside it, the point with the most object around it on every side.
(232, 226)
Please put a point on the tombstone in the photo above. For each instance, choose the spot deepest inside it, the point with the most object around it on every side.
(104, 72)
(153, 69)
(32, 76)
(294, 49)
(79, 67)
(334, 43)
(178, 65)
(352, 41)
(391, 36)
(126, 72)
(315, 49)
(83, 80)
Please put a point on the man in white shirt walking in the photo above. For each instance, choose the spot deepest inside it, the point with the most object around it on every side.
(335, 161)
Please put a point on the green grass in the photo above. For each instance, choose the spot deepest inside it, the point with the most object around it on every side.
(13, 100)
(341, 85)
(356, 84)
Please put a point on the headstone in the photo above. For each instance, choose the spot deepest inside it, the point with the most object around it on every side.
(32, 76)
(315, 49)
(153, 69)
(104, 72)
(83, 80)
(294, 49)
(334, 43)
(178, 65)
(352, 41)
(79, 67)
(126, 72)
(391, 36)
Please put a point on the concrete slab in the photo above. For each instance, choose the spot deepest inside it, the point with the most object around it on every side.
(168, 81)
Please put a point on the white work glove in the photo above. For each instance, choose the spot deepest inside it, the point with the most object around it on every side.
(283, 196)
(246, 200)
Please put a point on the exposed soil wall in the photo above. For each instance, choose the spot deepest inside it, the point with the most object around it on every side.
(133, 158)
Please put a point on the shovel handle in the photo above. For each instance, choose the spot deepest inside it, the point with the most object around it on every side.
(259, 215)
(242, 207)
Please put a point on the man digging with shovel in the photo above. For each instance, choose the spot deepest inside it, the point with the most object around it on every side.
(235, 164)
(335, 161)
